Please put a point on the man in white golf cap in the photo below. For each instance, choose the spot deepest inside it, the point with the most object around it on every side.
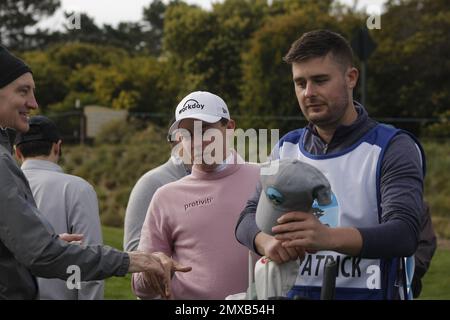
(193, 219)
(211, 112)
(201, 105)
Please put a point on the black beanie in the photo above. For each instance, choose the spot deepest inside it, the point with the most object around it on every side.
(11, 67)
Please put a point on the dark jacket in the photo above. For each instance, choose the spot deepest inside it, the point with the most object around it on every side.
(28, 249)
(425, 251)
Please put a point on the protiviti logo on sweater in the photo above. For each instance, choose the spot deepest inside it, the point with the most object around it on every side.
(191, 104)
(197, 203)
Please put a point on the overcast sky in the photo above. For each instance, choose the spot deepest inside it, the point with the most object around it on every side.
(115, 11)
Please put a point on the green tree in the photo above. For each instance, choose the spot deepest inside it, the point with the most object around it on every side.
(408, 73)
(87, 32)
(76, 55)
(267, 88)
(138, 84)
(153, 19)
(17, 15)
(207, 46)
(187, 29)
(127, 35)
(282, 7)
(50, 78)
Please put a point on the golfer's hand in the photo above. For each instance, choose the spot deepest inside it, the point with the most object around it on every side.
(73, 238)
(272, 248)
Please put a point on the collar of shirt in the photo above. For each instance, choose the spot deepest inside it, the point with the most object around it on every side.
(230, 165)
(177, 161)
(344, 136)
(35, 164)
(229, 160)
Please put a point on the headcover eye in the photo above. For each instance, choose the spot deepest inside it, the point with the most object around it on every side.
(274, 195)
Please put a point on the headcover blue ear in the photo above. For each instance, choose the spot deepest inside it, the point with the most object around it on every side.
(274, 195)
(292, 187)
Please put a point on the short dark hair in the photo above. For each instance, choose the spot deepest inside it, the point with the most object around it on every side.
(319, 43)
(35, 148)
(169, 134)
(224, 121)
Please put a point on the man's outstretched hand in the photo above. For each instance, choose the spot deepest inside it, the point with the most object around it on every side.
(170, 267)
(157, 269)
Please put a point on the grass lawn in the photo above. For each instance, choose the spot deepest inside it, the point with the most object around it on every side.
(116, 288)
(436, 283)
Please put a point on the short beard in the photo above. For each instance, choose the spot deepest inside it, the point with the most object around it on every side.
(341, 106)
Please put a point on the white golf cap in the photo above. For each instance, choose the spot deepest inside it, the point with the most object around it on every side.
(201, 105)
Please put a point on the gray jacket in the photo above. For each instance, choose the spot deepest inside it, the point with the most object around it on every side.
(28, 249)
(69, 203)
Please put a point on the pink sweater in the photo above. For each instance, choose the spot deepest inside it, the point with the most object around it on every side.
(193, 220)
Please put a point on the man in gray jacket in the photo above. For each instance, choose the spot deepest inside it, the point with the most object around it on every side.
(28, 248)
(68, 202)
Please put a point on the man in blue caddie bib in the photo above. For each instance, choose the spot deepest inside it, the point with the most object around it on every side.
(376, 175)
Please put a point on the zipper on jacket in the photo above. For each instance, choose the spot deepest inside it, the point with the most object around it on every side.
(325, 149)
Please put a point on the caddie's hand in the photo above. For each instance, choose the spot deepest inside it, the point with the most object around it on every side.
(74, 238)
(272, 248)
(170, 266)
(303, 229)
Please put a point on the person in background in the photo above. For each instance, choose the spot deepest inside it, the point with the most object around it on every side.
(141, 195)
(68, 202)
